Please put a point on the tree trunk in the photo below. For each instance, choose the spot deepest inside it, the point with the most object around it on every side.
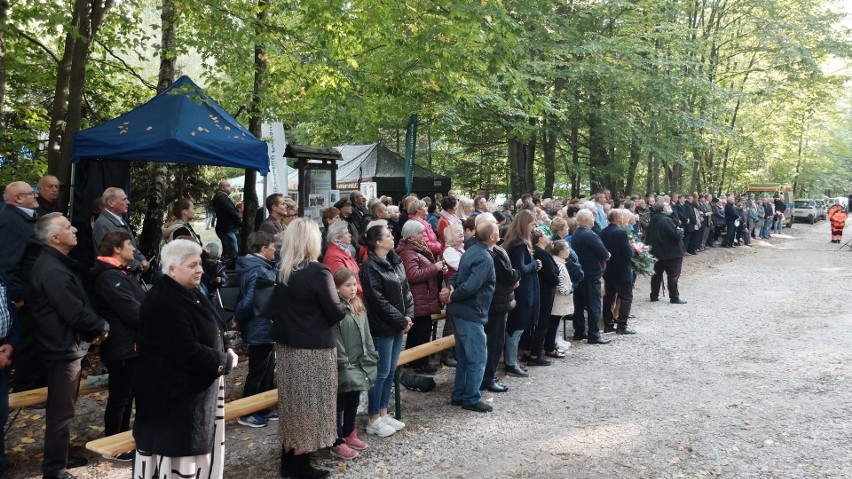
(249, 190)
(548, 141)
(575, 160)
(633, 163)
(160, 173)
(598, 153)
(4, 8)
(521, 159)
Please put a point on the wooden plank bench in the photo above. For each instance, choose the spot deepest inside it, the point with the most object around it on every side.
(413, 354)
(34, 397)
(123, 442)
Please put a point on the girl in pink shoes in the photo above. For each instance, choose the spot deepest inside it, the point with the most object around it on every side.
(356, 364)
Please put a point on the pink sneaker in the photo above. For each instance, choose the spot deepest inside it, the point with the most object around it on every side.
(355, 443)
(344, 452)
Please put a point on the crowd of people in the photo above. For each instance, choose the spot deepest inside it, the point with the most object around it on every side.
(325, 312)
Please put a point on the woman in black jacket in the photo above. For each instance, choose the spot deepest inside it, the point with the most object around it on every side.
(548, 279)
(390, 309)
(519, 249)
(180, 392)
(118, 297)
(495, 329)
(307, 310)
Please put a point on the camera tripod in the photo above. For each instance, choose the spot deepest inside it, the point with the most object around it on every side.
(847, 244)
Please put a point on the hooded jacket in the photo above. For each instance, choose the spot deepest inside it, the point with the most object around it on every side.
(254, 329)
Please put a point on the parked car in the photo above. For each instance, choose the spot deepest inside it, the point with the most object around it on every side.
(822, 208)
(806, 210)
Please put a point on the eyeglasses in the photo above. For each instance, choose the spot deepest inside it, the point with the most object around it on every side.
(28, 193)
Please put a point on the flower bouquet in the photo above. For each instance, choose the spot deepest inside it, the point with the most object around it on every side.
(642, 261)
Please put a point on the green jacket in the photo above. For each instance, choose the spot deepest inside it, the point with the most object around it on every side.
(356, 356)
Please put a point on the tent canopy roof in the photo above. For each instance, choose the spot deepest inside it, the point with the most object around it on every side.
(180, 125)
(375, 161)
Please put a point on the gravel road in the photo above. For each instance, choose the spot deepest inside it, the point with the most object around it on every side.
(750, 379)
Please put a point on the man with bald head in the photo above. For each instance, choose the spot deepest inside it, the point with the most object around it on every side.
(228, 221)
(593, 256)
(19, 250)
(48, 195)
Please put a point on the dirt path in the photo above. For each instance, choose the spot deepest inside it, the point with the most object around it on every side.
(751, 378)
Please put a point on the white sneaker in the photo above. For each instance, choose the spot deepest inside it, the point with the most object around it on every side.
(396, 425)
(380, 428)
(562, 345)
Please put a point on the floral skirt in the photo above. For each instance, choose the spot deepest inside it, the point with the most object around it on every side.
(207, 466)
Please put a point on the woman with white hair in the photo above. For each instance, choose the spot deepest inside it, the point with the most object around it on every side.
(465, 208)
(424, 273)
(180, 392)
(418, 212)
(306, 310)
(339, 253)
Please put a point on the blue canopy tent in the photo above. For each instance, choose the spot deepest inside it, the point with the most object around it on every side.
(180, 125)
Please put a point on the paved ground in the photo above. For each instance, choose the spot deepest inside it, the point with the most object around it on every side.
(751, 378)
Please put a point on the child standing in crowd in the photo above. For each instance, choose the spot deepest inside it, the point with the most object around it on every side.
(214, 270)
(357, 361)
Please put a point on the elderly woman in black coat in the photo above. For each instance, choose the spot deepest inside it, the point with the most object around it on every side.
(180, 392)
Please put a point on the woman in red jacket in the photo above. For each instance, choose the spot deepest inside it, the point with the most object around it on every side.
(424, 274)
(339, 252)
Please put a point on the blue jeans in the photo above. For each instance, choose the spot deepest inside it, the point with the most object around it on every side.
(587, 298)
(471, 352)
(767, 224)
(388, 347)
(229, 245)
(510, 355)
(779, 224)
(4, 413)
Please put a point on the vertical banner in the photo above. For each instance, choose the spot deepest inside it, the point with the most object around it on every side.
(276, 143)
(410, 143)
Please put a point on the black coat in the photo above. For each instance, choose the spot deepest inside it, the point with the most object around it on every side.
(664, 237)
(386, 294)
(227, 217)
(504, 291)
(118, 298)
(181, 356)
(526, 295)
(63, 318)
(19, 249)
(548, 279)
(731, 212)
(618, 267)
(307, 309)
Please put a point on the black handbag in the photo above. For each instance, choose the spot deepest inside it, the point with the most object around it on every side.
(264, 291)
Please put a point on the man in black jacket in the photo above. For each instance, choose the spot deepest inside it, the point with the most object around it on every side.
(618, 277)
(65, 324)
(665, 240)
(587, 298)
(732, 217)
(228, 221)
(19, 250)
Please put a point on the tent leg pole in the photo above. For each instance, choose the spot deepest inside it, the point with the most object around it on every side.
(71, 190)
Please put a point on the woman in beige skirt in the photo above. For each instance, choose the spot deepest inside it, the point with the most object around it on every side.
(306, 311)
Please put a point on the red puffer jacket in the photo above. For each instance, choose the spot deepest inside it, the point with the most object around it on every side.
(423, 279)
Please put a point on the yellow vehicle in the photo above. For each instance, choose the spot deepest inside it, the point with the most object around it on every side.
(775, 190)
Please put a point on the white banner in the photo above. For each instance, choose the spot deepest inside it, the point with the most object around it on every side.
(276, 180)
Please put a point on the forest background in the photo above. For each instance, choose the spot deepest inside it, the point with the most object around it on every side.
(567, 97)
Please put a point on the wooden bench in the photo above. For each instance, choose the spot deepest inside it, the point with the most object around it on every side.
(123, 442)
(413, 354)
(34, 397)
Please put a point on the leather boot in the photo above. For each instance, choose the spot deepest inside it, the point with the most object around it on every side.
(302, 468)
(286, 463)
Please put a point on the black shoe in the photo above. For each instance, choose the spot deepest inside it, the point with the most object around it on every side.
(478, 407)
(64, 475)
(631, 316)
(516, 371)
(449, 362)
(496, 387)
(653, 299)
(624, 331)
(609, 328)
(286, 463)
(76, 461)
(599, 340)
(455, 402)
(302, 468)
(677, 301)
(539, 361)
(123, 457)
(580, 337)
